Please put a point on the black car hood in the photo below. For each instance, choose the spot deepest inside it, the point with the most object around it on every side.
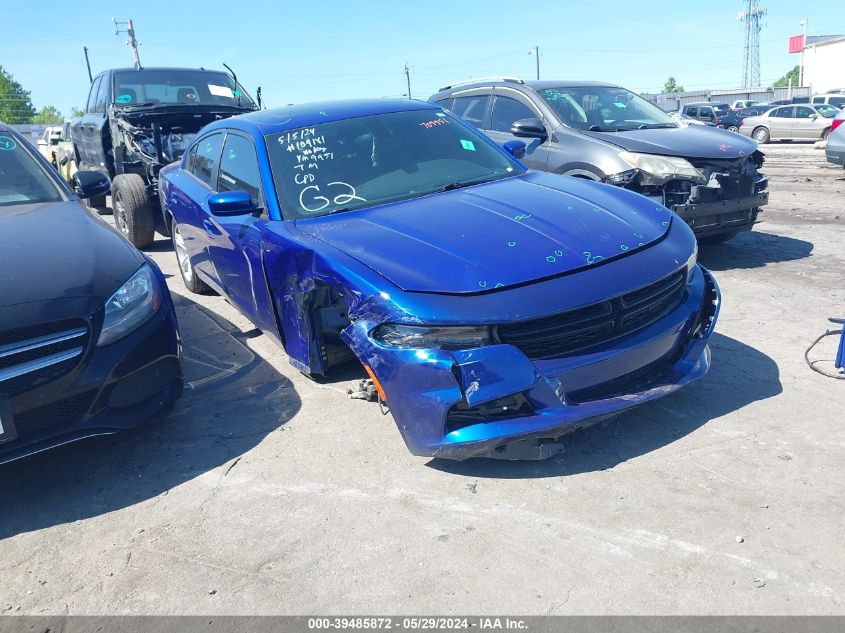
(694, 141)
(57, 250)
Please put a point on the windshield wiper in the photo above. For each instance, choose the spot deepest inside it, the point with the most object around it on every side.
(656, 126)
(599, 128)
(460, 184)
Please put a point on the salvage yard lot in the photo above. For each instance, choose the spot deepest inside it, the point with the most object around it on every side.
(265, 492)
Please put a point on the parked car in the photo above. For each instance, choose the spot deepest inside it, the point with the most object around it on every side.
(705, 111)
(88, 338)
(490, 304)
(741, 104)
(49, 139)
(792, 122)
(684, 120)
(837, 100)
(64, 158)
(835, 148)
(607, 133)
(732, 120)
(138, 120)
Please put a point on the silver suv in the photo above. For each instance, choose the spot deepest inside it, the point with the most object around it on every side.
(604, 132)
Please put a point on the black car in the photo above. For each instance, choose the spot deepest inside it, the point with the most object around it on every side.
(732, 120)
(136, 121)
(88, 336)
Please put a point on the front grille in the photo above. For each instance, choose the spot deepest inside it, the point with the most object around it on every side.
(35, 355)
(57, 413)
(573, 331)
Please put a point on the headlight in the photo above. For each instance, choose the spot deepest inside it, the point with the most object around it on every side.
(436, 337)
(133, 303)
(660, 169)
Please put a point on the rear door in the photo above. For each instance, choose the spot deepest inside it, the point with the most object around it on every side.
(509, 106)
(236, 244)
(473, 106)
(780, 122)
(189, 203)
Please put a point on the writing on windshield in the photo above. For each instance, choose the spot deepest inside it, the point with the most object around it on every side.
(365, 161)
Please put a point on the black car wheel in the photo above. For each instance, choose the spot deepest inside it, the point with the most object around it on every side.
(133, 214)
(732, 128)
(186, 268)
(761, 135)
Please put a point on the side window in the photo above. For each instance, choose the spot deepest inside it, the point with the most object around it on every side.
(692, 112)
(239, 168)
(471, 109)
(92, 96)
(818, 99)
(102, 94)
(804, 113)
(783, 113)
(206, 158)
(506, 111)
(190, 158)
(705, 111)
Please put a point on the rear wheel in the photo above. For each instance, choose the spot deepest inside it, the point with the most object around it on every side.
(732, 128)
(186, 268)
(761, 135)
(133, 214)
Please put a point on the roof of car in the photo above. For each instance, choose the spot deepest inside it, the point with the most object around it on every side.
(303, 114)
(536, 85)
(178, 68)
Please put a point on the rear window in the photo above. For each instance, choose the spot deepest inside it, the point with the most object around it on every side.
(22, 179)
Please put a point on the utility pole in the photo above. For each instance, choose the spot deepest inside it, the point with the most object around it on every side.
(88, 64)
(130, 31)
(804, 23)
(536, 52)
(752, 15)
(408, 78)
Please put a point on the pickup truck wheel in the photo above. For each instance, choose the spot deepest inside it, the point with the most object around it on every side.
(186, 268)
(761, 135)
(133, 214)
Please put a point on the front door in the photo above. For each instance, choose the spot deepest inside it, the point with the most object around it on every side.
(805, 124)
(236, 244)
(510, 106)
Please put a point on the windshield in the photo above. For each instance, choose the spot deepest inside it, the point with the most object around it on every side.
(22, 180)
(376, 159)
(171, 87)
(604, 109)
(827, 111)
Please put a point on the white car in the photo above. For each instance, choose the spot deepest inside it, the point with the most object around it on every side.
(51, 137)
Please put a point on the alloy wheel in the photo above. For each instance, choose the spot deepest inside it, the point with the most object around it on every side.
(182, 254)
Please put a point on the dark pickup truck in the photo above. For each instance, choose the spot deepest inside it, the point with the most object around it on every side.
(137, 121)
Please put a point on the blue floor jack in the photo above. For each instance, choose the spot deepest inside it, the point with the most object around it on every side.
(840, 353)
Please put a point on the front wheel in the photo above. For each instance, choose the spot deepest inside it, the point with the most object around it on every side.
(761, 135)
(133, 214)
(186, 268)
(732, 128)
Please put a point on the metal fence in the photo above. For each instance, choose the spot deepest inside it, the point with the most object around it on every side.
(671, 101)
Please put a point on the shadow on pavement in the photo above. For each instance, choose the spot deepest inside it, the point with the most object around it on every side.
(738, 376)
(232, 400)
(752, 249)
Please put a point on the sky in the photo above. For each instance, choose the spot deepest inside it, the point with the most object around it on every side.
(317, 50)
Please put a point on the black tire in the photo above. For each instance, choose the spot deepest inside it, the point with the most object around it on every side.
(186, 268)
(719, 238)
(761, 135)
(732, 128)
(133, 213)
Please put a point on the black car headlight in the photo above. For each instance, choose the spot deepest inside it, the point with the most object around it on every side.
(433, 336)
(131, 305)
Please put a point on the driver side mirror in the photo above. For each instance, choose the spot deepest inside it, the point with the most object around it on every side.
(529, 128)
(90, 184)
(236, 202)
(515, 148)
(813, 117)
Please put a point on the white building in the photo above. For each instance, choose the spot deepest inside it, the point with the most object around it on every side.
(824, 63)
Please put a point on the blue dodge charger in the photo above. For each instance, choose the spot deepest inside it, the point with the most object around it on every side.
(495, 308)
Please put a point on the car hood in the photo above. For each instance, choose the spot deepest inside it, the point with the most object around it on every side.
(695, 141)
(495, 235)
(56, 250)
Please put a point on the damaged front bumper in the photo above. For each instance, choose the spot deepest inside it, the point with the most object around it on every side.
(485, 401)
(709, 218)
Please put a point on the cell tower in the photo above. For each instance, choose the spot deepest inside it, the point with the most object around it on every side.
(752, 15)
